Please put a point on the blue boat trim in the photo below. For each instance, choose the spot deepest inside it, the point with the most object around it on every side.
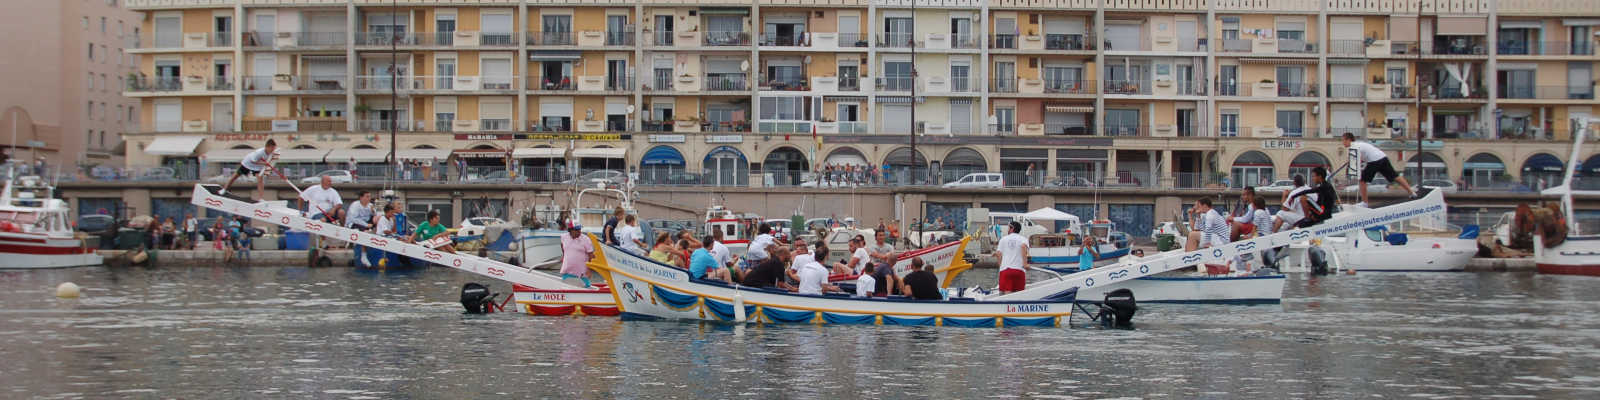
(987, 322)
(786, 316)
(849, 319)
(1207, 278)
(673, 299)
(1034, 321)
(725, 311)
(908, 321)
(628, 316)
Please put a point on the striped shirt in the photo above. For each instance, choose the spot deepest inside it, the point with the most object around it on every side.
(1214, 226)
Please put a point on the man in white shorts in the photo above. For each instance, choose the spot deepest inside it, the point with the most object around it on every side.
(254, 164)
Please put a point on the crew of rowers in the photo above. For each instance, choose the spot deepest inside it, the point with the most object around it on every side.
(1303, 206)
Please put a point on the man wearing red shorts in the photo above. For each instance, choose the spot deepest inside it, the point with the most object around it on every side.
(1012, 253)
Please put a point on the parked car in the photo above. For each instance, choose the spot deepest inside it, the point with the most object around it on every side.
(1378, 185)
(608, 177)
(336, 175)
(1444, 185)
(157, 174)
(500, 176)
(1169, 228)
(683, 178)
(979, 180)
(1070, 181)
(1281, 185)
(224, 178)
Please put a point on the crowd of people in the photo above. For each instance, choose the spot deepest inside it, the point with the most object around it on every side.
(1304, 205)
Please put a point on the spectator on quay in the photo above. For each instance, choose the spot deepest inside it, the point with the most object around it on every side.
(220, 240)
(191, 233)
(169, 234)
(241, 241)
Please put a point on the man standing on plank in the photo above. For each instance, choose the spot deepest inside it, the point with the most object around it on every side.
(254, 164)
(1376, 163)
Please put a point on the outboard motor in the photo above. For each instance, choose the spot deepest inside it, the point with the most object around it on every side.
(1319, 260)
(1118, 308)
(476, 298)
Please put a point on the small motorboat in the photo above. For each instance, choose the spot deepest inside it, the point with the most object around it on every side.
(1250, 289)
(1379, 249)
(35, 230)
(1573, 252)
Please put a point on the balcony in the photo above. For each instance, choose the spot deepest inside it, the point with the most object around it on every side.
(942, 84)
(659, 38)
(856, 127)
(1347, 91)
(1295, 89)
(306, 124)
(727, 38)
(552, 83)
(1458, 46)
(895, 84)
(385, 125)
(773, 126)
(1347, 47)
(897, 40)
(1127, 130)
(220, 39)
(320, 39)
(785, 83)
(1548, 92)
(620, 38)
(1451, 93)
(775, 40)
(658, 83)
(392, 39)
(1068, 129)
(1296, 46)
(1404, 48)
(497, 39)
(1127, 87)
(154, 85)
(1003, 129)
(1056, 41)
(1003, 85)
(1544, 48)
(1402, 92)
(965, 41)
(551, 39)
(1236, 45)
(1068, 86)
(726, 82)
(857, 40)
(1005, 41)
(651, 126)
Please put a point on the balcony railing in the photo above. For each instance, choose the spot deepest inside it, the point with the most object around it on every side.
(1003, 41)
(1548, 92)
(1068, 86)
(1068, 129)
(726, 82)
(1347, 91)
(497, 39)
(1347, 47)
(776, 40)
(1237, 46)
(220, 39)
(1456, 47)
(1191, 88)
(389, 38)
(1127, 86)
(897, 40)
(535, 38)
(1003, 85)
(849, 84)
(322, 82)
(254, 39)
(537, 126)
(1404, 48)
(659, 38)
(1545, 48)
(1296, 46)
(790, 83)
(330, 39)
(725, 126)
(618, 83)
(965, 41)
(157, 84)
(852, 40)
(659, 82)
(385, 125)
(1058, 41)
(307, 124)
(1451, 93)
(620, 38)
(1297, 90)
(1402, 92)
(1003, 129)
(657, 126)
(727, 38)
(895, 83)
(220, 83)
(552, 83)
(1127, 130)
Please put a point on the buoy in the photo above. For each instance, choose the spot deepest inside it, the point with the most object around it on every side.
(738, 308)
(67, 290)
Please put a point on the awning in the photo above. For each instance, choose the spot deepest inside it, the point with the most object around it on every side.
(1483, 165)
(538, 152)
(600, 152)
(554, 55)
(173, 145)
(301, 155)
(845, 98)
(1580, 22)
(724, 11)
(960, 100)
(1521, 25)
(361, 155)
(422, 154)
(227, 155)
(662, 155)
(1257, 60)
(480, 153)
(899, 99)
(1049, 214)
(1347, 61)
(1462, 26)
(1062, 108)
(1081, 154)
(1544, 162)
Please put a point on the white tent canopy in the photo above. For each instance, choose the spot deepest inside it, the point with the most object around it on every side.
(1049, 214)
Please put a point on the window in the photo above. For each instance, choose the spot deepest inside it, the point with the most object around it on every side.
(782, 108)
(119, 113)
(103, 53)
(1228, 123)
(119, 56)
(897, 75)
(102, 25)
(103, 86)
(1230, 28)
(960, 73)
(1005, 120)
(91, 81)
(91, 51)
(89, 110)
(557, 29)
(1122, 122)
(86, 23)
(1291, 122)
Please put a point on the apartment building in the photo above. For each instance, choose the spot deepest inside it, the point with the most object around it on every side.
(67, 62)
(1138, 93)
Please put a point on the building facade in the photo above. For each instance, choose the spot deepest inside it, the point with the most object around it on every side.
(64, 103)
(1143, 93)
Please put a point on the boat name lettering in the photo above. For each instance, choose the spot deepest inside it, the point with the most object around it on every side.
(553, 296)
(1028, 308)
(637, 266)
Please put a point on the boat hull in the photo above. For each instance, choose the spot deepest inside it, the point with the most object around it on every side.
(646, 289)
(1578, 255)
(558, 302)
(33, 251)
(540, 246)
(1418, 254)
(1266, 289)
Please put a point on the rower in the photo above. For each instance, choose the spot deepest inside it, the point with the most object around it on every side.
(1012, 254)
(253, 164)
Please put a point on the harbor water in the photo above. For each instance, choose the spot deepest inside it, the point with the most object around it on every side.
(339, 333)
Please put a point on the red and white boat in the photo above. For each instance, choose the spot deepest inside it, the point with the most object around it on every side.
(1579, 254)
(34, 228)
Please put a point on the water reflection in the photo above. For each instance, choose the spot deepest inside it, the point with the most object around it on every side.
(299, 332)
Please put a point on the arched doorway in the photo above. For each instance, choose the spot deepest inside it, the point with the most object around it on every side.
(1253, 168)
(1588, 176)
(1483, 170)
(845, 156)
(1432, 168)
(1541, 171)
(726, 166)
(906, 167)
(1304, 162)
(483, 159)
(786, 165)
(961, 162)
(660, 164)
(541, 163)
(840, 163)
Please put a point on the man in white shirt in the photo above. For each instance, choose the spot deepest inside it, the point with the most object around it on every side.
(630, 236)
(1375, 163)
(324, 199)
(254, 164)
(1013, 255)
(1293, 209)
(758, 247)
(723, 254)
(383, 224)
(1209, 227)
(802, 256)
(860, 258)
(813, 279)
(865, 285)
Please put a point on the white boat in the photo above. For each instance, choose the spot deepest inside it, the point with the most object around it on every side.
(1059, 252)
(1579, 253)
(34, 228)
(542, 245)
(646, 289)
(1377, 249)
(734, 227)
(1262, 289)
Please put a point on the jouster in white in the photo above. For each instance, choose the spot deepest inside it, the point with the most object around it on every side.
(34, 229)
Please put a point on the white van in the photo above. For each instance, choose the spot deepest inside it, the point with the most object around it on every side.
(979, 180)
